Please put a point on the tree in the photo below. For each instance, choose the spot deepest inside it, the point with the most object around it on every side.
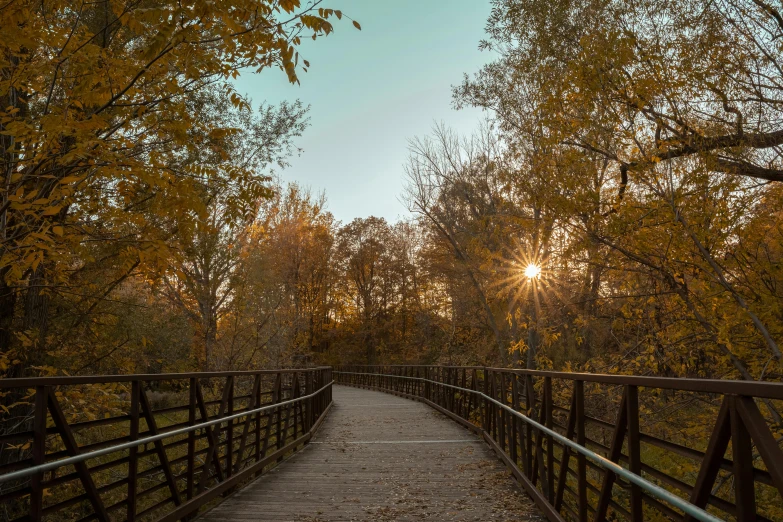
(365, 286)
(650, 126)
(99, 122)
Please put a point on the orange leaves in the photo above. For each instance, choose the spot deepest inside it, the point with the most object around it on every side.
(116, 127)
(317, 24)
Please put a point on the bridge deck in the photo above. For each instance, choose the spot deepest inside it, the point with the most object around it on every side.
(380, 457)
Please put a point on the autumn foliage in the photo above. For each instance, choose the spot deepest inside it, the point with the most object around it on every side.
(120, 132)
(620, 210)
(632, 154)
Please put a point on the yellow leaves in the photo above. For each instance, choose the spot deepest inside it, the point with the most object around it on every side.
(240, 103)
(52, 211)
(289, 5)
(126, 147)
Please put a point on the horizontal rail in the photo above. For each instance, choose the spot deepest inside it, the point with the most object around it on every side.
(70, 380)
(760, 389)
(146, 440)
(653, 489)
(766, 390)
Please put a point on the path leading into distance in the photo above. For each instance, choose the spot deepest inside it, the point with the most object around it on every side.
(383, 458)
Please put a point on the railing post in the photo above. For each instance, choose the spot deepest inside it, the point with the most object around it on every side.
(516, 433)
(461, 402)
(487, 424)
(579, 391)
(550, 447)
(278, 396)
(258, 419)
(309, 388)
(230, 428)
(452, 391)
(133, 459)
(634, 451)
(742, 460)
(191, 437)
(530, 402)
(39, 451)
(501, 396)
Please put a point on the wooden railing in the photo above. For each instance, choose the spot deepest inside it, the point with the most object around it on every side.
(674, 433)
(169, 478)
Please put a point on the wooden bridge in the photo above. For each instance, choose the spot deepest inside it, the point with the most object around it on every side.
(379, 457)
(442, 443)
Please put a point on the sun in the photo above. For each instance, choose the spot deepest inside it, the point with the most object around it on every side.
(532, 271)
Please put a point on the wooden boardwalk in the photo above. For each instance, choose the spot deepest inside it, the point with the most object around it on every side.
(380, 457)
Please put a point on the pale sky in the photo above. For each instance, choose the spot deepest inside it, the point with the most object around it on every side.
(372, 90)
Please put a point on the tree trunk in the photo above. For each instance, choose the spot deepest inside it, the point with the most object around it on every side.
(7, 306)
(532, 338)
(36, 309)
(209, 325)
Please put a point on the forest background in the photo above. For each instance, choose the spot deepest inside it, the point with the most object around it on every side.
(632, 153)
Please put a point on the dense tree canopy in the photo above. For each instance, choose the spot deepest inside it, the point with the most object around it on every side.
(123, 145)
(620, 210)
(631, 153)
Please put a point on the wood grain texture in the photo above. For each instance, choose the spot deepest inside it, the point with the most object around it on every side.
(380, 457)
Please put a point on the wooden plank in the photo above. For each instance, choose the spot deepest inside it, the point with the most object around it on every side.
(380, 457)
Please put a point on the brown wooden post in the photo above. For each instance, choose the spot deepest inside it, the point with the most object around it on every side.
(278, 398)
(258, 419)
(473, 401)
(762, 437)
(550, 446)
(230, 427)
(487, 425)
(580, 458)
(565, 457)
(191, 438)
(742, 463)
(463, 384)
(39, 451)
(710, 464)
(530, 403)
(503, 413)
(615, 451)
(310, 388)
(634, 451)
(427, 384)
(61, 423)
(517, 443)
(133, 459)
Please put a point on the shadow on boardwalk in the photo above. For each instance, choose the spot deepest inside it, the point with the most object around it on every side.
(380, 457)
